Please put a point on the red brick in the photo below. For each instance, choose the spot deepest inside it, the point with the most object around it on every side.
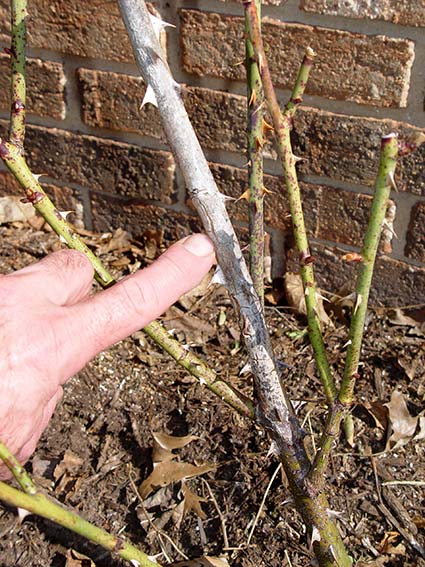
(343, 216)
(112, 100)
(347, 148)
(45, 87)
(349, 66)
(100, 164)
(403, 12)
(415, 240)
(233, 181)
(394, 283)
(137, 218)
(111, 212)
(77, 27)
(341, 147)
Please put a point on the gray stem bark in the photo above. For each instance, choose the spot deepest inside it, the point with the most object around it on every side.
(274, 410)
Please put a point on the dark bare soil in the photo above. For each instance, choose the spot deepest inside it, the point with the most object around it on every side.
(98, 447)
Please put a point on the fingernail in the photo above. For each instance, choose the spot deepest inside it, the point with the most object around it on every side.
(198, 244)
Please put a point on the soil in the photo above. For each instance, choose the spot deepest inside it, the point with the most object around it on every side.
(98, 447)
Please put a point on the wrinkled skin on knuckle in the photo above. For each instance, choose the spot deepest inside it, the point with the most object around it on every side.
(137, 297)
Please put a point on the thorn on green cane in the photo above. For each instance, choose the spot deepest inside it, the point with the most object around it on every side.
(359, 300)
(391, 180)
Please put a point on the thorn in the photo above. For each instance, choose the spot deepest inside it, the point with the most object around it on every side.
(149, 98)
(307, 291)
(267, 126)
(273, 450)
(38, 175)
(322, 297)
(245, 196)
(245, 369)
(158, 25)
(297, 158)
(252, 98)
(22, 514)
(64, 214)
(315, 535)
(202, 380)
(391, 180)
(218, 277)
(258, 143)
(260, 62)
(62, 239)
(227, 197)
(267, 191)
(348, 343)
(359, 300)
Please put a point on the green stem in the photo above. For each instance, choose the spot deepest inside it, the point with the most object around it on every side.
(311, 505)
(200, 370)
(383, 185)
(18, 13)
(42, 506)
(282, 127)
(18, 471)
(255, 165)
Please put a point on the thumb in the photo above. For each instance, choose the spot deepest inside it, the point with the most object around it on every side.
(113, 314)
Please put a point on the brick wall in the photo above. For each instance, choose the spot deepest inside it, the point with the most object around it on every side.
(100, 153)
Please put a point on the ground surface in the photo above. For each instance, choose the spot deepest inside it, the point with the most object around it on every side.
(98, 448)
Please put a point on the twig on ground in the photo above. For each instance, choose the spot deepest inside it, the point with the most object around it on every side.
(263, 501)
(220, 514)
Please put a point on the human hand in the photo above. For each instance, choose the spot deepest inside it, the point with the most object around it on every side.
(50, 327)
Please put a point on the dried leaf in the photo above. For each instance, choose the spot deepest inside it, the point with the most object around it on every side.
(75, 559)
(197, 331)
(421, 433)
(402, 425)
(170, 442)
(192, 503)
(295, 296)
(169, 471)
(204, 561)
(378, 562)
(414, 318)
(118, 240)
(13, 210)
(69, 464)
